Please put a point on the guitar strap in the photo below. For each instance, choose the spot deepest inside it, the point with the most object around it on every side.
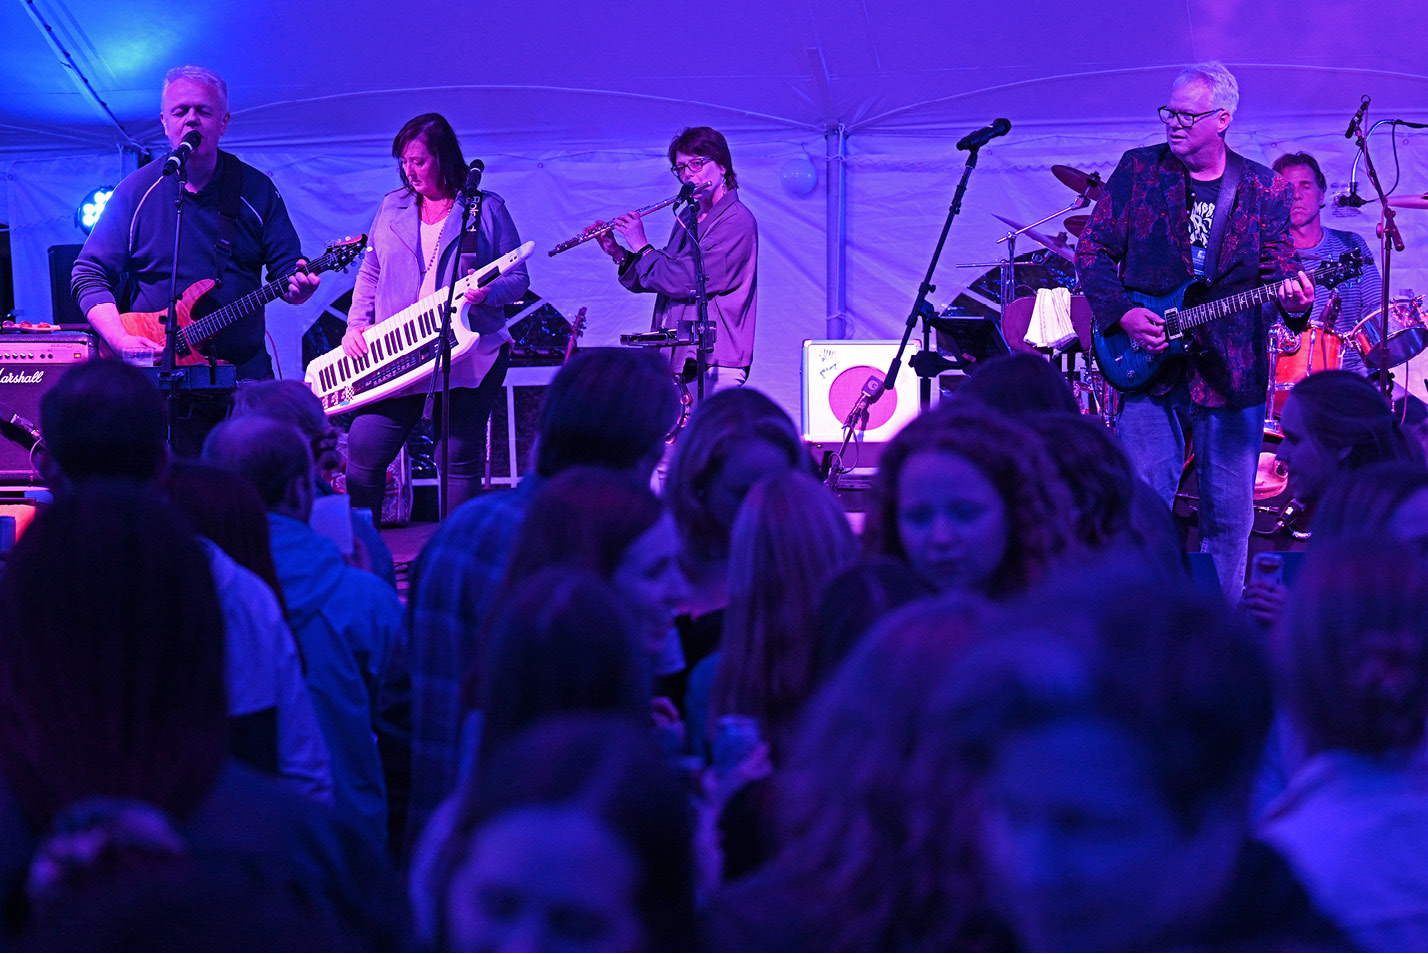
(230, 198)
(473, 227)
(1229, 182)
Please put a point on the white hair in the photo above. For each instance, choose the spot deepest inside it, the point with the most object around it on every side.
(1224, 88)
(196, 74)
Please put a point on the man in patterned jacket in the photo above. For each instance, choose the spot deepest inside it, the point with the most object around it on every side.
(1150, 233)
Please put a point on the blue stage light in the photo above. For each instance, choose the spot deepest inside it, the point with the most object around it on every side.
(91, 208)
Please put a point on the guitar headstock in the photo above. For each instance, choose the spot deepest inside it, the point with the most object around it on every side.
(577, 328)
(1348, 265)
(341, 254)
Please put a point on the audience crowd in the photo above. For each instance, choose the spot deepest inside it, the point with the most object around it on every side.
(999, 713)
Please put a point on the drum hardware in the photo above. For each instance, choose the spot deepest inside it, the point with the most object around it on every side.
(1407, 333)
(1086, 184)
(1057, 244)
(1409, 201)
(1271, 486)
(1094, 393)
(1293, 357)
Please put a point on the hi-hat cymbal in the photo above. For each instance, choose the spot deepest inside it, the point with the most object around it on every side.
(1076, 224)
(1409, 201)
(1059, 245)
(1085, 183)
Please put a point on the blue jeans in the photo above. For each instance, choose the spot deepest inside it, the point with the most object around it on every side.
(1227, 445)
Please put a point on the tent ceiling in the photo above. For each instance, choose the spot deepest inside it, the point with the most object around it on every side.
(574, 72)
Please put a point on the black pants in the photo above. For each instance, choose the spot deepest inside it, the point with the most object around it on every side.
(379, 431)
(193, 414)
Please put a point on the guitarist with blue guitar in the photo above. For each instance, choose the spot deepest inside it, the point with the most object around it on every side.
(1178, 225)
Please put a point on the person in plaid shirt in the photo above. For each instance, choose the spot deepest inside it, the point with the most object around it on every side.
(607, 407)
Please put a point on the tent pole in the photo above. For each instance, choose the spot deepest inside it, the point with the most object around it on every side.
(837, 232)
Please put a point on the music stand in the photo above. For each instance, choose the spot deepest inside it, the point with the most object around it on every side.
(970, 340)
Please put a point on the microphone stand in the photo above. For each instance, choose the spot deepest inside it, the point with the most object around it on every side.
(704, 333)
(169, 376)
(873, 389)
(443, 354)
(1390, 240)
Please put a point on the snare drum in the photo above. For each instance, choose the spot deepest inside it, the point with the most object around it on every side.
(1407, 335)
(1312, 350)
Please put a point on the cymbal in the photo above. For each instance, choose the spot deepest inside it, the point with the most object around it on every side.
(1076, 224)
(1084, 183)
(1059, 245)
(1409, 201)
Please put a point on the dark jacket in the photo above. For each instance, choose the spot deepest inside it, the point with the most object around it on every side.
(1138, 237)
(134, 238)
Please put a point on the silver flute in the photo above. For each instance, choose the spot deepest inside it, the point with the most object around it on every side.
(595, 231)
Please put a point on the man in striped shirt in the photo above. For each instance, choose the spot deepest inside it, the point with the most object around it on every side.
(1359, 296)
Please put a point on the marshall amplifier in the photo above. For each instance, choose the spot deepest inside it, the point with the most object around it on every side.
(30, 364)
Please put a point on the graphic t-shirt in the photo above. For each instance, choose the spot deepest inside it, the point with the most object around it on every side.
(1203, 196)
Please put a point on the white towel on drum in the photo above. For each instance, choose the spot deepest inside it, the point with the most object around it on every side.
(1050, 325)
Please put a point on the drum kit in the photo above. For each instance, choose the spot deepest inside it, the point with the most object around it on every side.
(1014, 281)
(1293, 357)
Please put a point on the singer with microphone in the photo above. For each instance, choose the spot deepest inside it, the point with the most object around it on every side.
(1357, 297)
(417, 247)
(729, 242)
(226, 198)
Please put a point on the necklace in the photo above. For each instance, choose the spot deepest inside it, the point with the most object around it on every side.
(436, 246)
(428, 209)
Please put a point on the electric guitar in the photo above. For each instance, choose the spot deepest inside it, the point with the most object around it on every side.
(1129, 367)
(193, 331)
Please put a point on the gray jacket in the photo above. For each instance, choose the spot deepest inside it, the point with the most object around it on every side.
(729, 239)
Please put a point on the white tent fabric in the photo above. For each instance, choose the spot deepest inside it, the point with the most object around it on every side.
(571, 105)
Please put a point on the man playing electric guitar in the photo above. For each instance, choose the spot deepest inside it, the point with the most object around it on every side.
(135, 235)
(1158, 225)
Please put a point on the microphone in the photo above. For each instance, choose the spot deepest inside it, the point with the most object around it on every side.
(874, 387)
(686, 193)
(191, 141)
(472, 185)
(982, 136)
(1358, 118)
(11, 416)
(1351, 198)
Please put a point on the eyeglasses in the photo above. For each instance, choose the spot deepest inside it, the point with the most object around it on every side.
(1182, 119)
(692, 166)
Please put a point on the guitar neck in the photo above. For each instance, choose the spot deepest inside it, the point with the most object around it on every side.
(1198, 315)
(210, 325)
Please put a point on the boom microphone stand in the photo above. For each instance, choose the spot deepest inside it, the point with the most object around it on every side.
(874, 387)
(1389, 240)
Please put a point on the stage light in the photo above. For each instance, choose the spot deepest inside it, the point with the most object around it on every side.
(91, 207)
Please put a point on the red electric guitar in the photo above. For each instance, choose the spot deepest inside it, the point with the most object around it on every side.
(192, 332)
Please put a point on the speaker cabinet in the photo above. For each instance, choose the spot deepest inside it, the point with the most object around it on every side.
(833, 376)
(30, 364)
(65, 309)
